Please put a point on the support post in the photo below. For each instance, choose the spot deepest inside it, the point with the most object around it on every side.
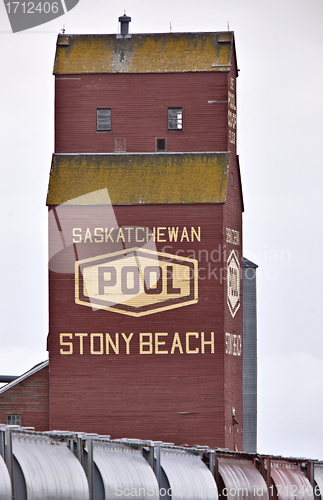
(90, 465)
(157, 465)
(8, 456)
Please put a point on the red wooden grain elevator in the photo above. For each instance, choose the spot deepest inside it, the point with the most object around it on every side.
(145, 220)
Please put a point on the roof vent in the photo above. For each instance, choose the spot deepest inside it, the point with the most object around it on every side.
(124, 24)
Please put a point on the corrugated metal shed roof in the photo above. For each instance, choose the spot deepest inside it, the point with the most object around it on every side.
(144, 53)
(140, 178)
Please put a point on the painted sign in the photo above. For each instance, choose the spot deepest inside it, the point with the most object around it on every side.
(136, 282)
(233, 283)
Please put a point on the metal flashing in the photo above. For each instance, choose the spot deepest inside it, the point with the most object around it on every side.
(247, 263)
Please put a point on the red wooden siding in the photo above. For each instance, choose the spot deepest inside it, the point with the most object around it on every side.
(172, 397)
(28, 398)
(139, 104)
(179, 397)
(232, 219)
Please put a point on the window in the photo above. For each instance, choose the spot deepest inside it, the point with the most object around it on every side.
(175, 118)
(160, 144)
(13, 419)
(103, 119)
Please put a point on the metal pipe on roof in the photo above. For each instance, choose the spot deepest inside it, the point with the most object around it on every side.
(6, 379)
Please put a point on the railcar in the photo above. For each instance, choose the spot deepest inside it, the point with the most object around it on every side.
(78, 466)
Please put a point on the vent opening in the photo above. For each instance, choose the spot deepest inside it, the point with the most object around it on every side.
(160, 144)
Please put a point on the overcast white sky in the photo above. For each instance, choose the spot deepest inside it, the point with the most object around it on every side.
(280, 107)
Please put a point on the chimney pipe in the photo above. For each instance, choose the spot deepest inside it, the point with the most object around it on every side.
(124, 22)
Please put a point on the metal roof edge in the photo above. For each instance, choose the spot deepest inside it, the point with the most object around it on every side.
(248, 263)
(219, 32)
(22, 377)
(234, 55)
(240, 183)
(165, 153)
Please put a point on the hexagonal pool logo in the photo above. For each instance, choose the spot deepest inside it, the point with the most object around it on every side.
(233, 283)
(136, 282)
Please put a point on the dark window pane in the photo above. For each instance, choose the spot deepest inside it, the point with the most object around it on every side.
(160, 144)
(13, 420)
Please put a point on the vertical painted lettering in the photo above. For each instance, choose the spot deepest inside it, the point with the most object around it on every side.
(156, 272)
(196, 234)
(98, 233)
(188, 350)
(67, 344)
(145, 343)
(81, 336)
(127, 341)
(92, 344)
(173, 233)
(176, 344)
(77, 238)
(207, 342)
(170, 282)
(158, 343)
(108, 342)
(104, 281)
(130, 280)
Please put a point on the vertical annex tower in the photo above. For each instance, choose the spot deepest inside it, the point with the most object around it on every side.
(145, 220)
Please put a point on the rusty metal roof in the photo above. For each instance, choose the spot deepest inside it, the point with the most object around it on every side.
(133, 179)
(290, 482)
(145, 53)
(242, 479)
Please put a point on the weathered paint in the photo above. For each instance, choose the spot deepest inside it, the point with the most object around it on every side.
(139, 112)
(232, 218)
(28, 398)
(144, 53)
(173, 391)
(134, 399)
(140, 179)
(156, 394)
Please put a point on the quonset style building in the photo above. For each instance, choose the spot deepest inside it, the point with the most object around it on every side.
(145, 221)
